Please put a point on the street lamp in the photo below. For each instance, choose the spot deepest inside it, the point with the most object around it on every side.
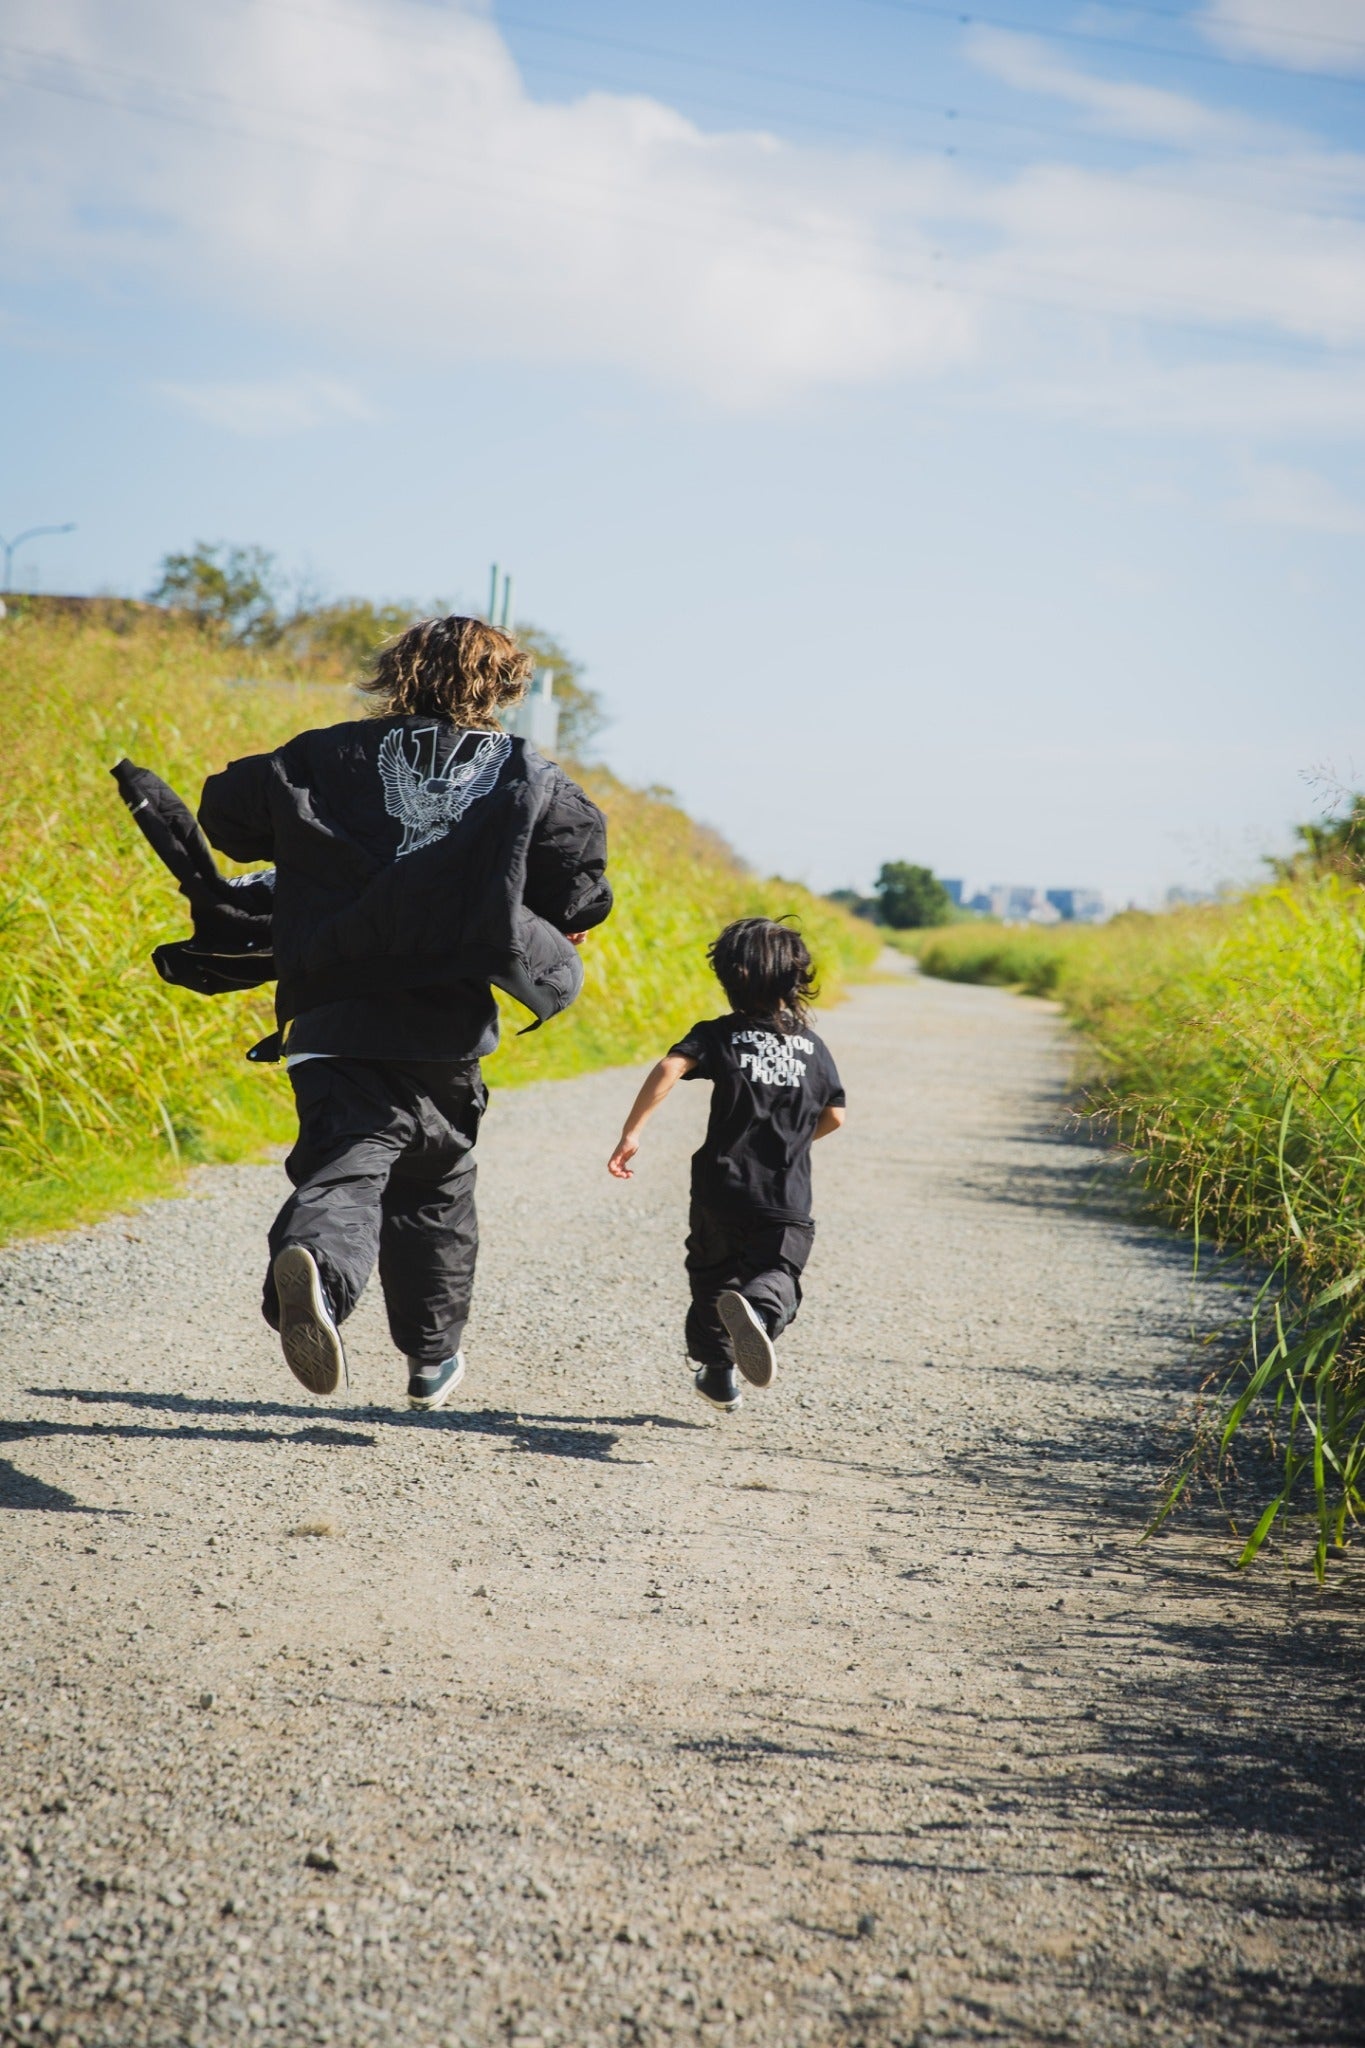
(11, 547)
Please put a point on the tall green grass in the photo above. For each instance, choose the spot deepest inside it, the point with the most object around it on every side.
(1031, 958)
(111, 1082)
(1230, 1045)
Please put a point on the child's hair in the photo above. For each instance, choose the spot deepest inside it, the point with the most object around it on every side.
(450, 668)
(765, 970)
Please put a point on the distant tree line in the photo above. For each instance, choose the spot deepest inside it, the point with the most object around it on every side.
(241, 597)
(904, 896)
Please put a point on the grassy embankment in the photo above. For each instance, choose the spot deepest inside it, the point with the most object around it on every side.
(111, 1082)
(1231, 1058)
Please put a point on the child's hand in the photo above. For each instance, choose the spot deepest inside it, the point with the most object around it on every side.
(619, 1163)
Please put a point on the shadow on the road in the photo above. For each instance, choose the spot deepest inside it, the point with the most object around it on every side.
(133, 1432)
(560, 1436)
(1222, 1729)
(19, 1490)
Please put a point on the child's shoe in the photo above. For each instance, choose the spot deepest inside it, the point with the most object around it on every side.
(310, 1339)
(431, 1386)
(754, 1354)
(718, 1385)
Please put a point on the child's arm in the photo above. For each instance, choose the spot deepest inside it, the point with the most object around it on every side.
(658, 1081)
(830, 1120)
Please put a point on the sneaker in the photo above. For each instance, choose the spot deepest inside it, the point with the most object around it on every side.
(311, 1340)
(754, 1354)
(431, 1386)
(718, 1385)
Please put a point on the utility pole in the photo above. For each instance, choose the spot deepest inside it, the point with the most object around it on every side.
(11, 547)
(500, 599)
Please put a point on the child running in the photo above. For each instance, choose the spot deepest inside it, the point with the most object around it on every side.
(775, 1090)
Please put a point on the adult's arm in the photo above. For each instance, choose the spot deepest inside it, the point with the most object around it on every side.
(235, 809)
(566, 862)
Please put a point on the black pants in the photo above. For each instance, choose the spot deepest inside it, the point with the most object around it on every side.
(761, 1261)
(384, 1169)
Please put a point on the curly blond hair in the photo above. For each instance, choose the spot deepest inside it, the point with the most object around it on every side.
(450, 668)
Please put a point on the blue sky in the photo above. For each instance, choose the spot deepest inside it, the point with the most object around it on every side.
(940, 440)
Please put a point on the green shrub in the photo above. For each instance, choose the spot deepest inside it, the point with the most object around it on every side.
(1032, 958)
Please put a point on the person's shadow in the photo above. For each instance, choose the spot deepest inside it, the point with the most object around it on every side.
(268, 1422)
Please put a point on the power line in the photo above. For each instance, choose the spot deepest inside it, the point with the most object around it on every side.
(1295, 35)
(934, 109)
(385, 137)
(827, 87)
(957, 152)
(1178, 314)
(964, 18)
(858, 94)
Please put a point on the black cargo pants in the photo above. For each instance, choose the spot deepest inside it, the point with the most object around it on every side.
(384, 1170)
(761, 1261)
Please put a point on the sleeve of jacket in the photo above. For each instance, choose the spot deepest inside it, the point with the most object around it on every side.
(235, 809)
(566, 864)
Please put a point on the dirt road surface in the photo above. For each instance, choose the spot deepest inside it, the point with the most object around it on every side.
(582, 1716)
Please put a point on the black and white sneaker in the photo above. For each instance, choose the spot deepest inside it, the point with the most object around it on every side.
(431, 1386)
(754, 1354)
(311, 1340)
(717, 1385)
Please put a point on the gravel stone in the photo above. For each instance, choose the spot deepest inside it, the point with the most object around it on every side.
(863, 1716)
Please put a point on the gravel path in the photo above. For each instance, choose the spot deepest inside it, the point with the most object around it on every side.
(586, 1717)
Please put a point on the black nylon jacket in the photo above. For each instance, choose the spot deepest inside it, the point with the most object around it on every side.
(411, 853)
(231, 947)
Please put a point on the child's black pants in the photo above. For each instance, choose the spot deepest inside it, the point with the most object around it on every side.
(761, 1261)
(384, 1170)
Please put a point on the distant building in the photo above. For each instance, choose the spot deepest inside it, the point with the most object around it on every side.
(954, 889)
(1180, 898)
(1077, 906)
(981, 901)
(1013, 903)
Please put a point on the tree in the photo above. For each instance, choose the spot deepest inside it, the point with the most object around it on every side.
(340, 639)
(910, 896)
(856, 903)
(239, 595)
(229, 591)
(1336, 846)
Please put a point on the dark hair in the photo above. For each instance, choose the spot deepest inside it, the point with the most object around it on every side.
(765, 970)
(450, 668)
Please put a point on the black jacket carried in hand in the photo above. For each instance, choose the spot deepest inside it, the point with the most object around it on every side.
(232, 946)
(412, 854)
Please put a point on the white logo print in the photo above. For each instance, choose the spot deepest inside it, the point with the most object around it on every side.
(426, 797)
(773, 1059)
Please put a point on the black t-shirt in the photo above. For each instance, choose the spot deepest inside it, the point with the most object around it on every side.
(769, 1087)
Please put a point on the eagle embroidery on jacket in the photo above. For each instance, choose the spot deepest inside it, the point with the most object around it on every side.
(426, 798)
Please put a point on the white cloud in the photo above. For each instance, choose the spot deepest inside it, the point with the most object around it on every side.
(378, 180)
(1179, 251)
(1302, 35)
(384, 175)
(270, 406)
(1121, 107)
(1278, 494)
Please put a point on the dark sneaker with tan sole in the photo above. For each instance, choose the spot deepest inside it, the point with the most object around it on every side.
(310, 1339)
(717, 1385)
(754, 1354)
(431, 1386)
